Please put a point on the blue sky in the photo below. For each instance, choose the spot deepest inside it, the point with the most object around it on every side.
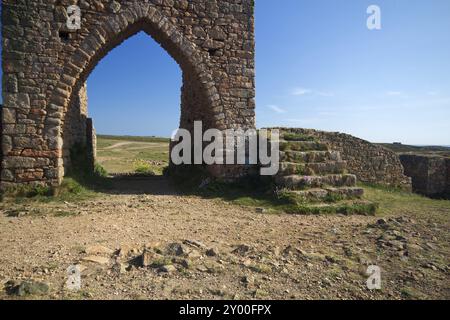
(317, 66)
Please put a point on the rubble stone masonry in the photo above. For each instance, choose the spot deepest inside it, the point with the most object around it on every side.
(45, 67)
(369, 162)
(430, 174)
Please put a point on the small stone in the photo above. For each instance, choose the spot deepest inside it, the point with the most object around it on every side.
(149, 257)
(126, 250)
(96, 259)
(327, 282)
(167, 269)
(121, 268)
(194, 243)
(260, 210)
(186, 263)
(194, 254)
(212, 252)
(432, 267)
(177, 249)
(241, 250)
(248, 279)
(202, 269)
(98, 249)
(415, 247)
(217, 34)
(25, 288)
(114, 6)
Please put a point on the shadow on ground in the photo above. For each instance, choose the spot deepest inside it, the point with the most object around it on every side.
(154, 185)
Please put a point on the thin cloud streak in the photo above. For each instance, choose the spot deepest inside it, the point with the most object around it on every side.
(300, 91)
(276, 108)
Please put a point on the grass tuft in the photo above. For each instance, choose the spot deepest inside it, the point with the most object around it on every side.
(143, 167)
(298, 137)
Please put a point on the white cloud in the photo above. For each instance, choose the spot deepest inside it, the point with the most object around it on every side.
(301, 91)
(277, 109)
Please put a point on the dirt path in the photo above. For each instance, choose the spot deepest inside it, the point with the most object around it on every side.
(232, 252)
(142, 145)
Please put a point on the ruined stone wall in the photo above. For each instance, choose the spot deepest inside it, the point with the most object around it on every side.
(369, 162)
(45, 66)
(74, 128)
(430, 175)
(91, 142)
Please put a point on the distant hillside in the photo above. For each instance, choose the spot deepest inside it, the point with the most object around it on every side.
(133, 138)
(427, 150)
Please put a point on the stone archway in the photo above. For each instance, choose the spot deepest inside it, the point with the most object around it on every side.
(199, 93)
(45, 67)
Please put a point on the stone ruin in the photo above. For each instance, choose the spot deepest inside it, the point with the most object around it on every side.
(45, 67)
(430, 174)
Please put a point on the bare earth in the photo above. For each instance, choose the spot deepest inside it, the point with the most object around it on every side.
(256, 255)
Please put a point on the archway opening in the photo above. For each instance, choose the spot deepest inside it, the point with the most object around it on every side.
(196, 103)
(133, 99)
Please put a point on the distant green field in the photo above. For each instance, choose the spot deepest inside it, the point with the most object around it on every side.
(126, 154)
(133, 138)
(123, 154)
(426, 150)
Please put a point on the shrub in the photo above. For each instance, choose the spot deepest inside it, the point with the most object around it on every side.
(143, 167)
(99, 171)
(28, 191)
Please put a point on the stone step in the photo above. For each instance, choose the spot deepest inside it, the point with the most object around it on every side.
(296, 182)
(291, 136)
(302, 146)
(309, 156)
(312, 168)
(328, 194)
(347, 207)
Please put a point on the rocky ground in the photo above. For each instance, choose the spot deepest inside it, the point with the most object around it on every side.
(160, 245)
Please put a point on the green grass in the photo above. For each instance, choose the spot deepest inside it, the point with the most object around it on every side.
(394, 201)
(299, 146)
(120, 154)
(150, 155)
(80, 183)
(379, 201)
(143, 167)
(257, 192)
(70, 191)
(426, 150)
(298, 137)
